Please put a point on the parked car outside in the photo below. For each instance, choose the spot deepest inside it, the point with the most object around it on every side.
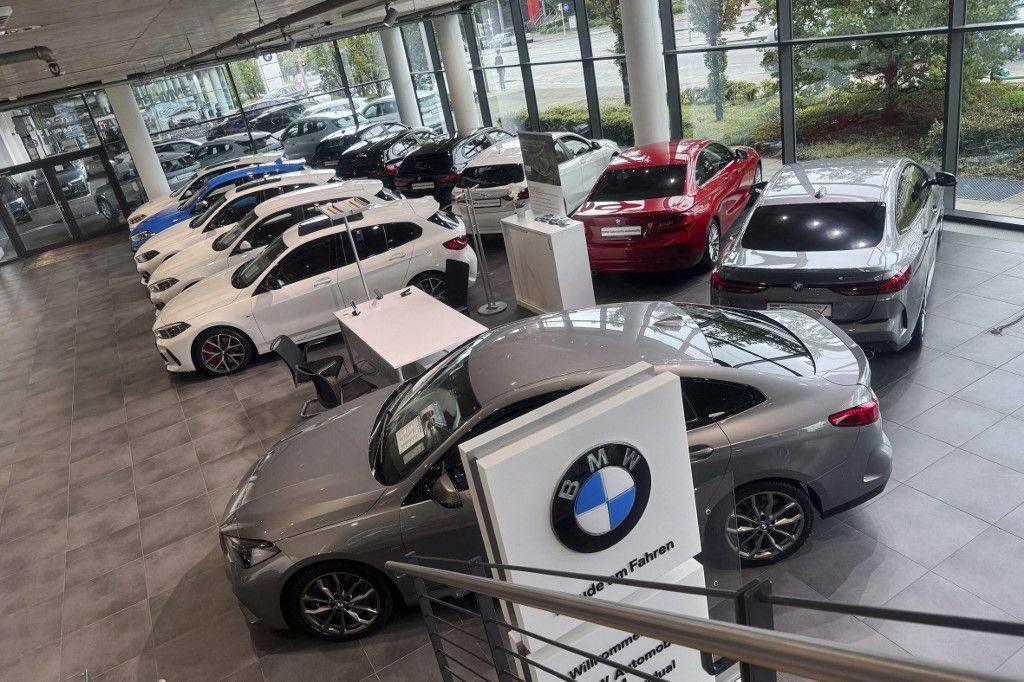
(71, 177)
(179, 169)
(233, 146)
(276, 119)
(780, 418)
(234, 122)
(381, 109)
(221, 324)
(299, 140)
(854, 240)
(378, 157)
(247, 238)
(180, 145)
(185, 116)
(330, 149)
(17, 200)
(434, 169)
(490, 173)
(665, 205)
(340, 105)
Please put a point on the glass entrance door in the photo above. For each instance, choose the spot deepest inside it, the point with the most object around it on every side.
(96, 211)
(32, 210)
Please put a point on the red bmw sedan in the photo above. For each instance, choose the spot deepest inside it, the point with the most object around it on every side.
(665, 205)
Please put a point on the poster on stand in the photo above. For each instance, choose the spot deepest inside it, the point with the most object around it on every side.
(592, 482)
(540, 161)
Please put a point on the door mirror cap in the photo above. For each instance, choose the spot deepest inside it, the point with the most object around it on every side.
(244, 245)
(202, 206)
(758, 188)
(943, 179)
(741, 154)
(443, 491)
(273, 283)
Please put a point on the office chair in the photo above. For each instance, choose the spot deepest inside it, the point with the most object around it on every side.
(304, 370)
(328, 394)
(456, 284)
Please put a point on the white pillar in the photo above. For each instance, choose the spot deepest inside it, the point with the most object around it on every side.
(456, 72)
(645, 63)
(140, 146)
(401, 80)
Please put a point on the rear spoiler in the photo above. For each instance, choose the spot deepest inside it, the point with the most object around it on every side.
(837, 358)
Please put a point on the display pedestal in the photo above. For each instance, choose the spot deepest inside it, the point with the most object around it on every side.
(549, 264)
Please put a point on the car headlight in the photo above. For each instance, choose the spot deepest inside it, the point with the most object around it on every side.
(142, 236)
(162, 285)
(147, 256)
(248, 553)
(171, 330)
(135, 220)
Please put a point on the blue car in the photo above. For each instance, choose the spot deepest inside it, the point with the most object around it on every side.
(204, 197)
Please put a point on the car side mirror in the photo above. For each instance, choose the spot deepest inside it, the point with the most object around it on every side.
(943, 179)
(202, 206)
(273, 284)
(595, 145)
(757, 188)
(244, 245)
(741, 154)
(444, 492)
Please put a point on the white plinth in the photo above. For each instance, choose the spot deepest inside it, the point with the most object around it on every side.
(549, 264)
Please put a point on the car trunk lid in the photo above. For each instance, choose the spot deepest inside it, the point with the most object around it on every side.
(837, 358)
(639, 220)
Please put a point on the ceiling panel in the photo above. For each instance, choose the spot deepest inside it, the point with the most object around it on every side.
(104, 40)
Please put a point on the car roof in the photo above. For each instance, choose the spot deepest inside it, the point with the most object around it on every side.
(280, 179)
(547, 347)
(506, 152)
(842, 179)
(325, 115)
(241, 161)
(331, 190)
(393, 211)
(238, 137)
(659, 154)
(245, 170)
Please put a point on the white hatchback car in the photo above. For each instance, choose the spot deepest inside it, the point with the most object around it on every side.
(224, 212)
(298, 282)
(186, 191)
(580, 164)
(249, 236)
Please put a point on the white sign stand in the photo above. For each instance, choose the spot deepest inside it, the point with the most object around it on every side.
(597, 481)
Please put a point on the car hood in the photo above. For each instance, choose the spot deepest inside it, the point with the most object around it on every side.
(209, 294)
(154, 206)
(158, 222)
(169, 236)
(315, 476)
(198, 255)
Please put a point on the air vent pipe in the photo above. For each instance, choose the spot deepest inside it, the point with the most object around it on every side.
(43, 54)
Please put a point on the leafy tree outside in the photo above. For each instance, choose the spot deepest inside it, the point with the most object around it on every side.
(248, 79)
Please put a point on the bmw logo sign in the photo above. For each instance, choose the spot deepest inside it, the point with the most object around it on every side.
(601, 497)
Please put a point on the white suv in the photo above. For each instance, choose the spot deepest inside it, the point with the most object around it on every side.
(248, 237)
(222, 213)
(298, 282)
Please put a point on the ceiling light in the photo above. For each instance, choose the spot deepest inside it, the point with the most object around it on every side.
(390, 16)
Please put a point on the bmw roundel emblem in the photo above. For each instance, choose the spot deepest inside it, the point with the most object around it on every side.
(601, 497)
(797, 286)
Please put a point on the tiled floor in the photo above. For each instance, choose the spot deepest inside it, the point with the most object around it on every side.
(113, 473)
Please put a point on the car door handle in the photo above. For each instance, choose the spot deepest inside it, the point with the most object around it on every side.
(322, 282)
(396, 257)
(700, 452)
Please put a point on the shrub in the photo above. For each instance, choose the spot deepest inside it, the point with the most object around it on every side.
(616, 121)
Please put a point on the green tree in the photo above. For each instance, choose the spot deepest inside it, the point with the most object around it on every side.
(365, 62)
(316, 60)
(608, 12)
(713, 18)
(248, 79)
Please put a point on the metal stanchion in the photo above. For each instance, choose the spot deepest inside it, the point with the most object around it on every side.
(492, 307)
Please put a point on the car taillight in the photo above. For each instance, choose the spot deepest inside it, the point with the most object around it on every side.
(452, 178)
(890, 286)
(672, 224)
(391, 169)
(524, 193)
(862, 415)
(456, 244)
(720, 283)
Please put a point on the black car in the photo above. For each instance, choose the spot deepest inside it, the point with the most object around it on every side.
(276, 119)
(329, 150)
(234, 121)
(434, 169)
(378, 157)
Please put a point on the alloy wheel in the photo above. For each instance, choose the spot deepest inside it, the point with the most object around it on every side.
(765, 525)
(435, 286)
(223, 353)
(108, 211)
(714, 242)
(340, 603)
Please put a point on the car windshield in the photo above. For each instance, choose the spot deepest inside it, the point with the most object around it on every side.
(209, 212)
(752, 341)
(228, 238)
(189, 188)
(192, 199)
(831, 226)
(247, 274)
(634, 184)
(491, 176)
(423, 415)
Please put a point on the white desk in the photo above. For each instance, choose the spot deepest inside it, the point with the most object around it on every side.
(401, 334)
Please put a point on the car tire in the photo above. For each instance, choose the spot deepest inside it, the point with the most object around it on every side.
(350, 585)
(106, 209)
(712, 249)
(431, 282)
(220, 351)
(769, 497)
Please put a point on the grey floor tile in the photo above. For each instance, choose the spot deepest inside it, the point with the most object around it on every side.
(310, 660)
(107, 643)
(18, 555)
(230, 468)
(99, 491)
(999, 390)
(159, 441)
(980, 567)
(215, 401)
(1003, 442)
(958, 477)
(945, 334)
(954, 421)
(168, 463)
(141, 668)
(1002, 287)
(30, 629)
(100, 522)
(25, 469)
(217, 649)
(993, 350)
(14, 523)
(196, 554)
(225, 440)
(154, 421)
(42, 579)
(105, 595)
(165, 400)
(170, 491)
(40, 665)
(176, 523)
(53, 483)
(190, 604)
(980, 259)
(100, 464)
(82, 447)
(948, 374)
(1013, 522)
(96, 558)
(934, 594)
(912, 452)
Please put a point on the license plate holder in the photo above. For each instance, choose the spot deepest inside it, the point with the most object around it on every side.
(486, 203)
(622, 231)
(422, 185)
(823, 309)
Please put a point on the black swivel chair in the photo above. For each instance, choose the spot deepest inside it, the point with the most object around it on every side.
(328, 394)
(304, 370)
(456, 284)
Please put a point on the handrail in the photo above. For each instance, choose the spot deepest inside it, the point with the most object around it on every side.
(784, 652)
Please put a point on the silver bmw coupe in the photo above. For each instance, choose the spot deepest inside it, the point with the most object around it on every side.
(851, 239)
(781, 422)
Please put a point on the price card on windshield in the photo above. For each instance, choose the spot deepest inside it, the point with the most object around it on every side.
(409, 435)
